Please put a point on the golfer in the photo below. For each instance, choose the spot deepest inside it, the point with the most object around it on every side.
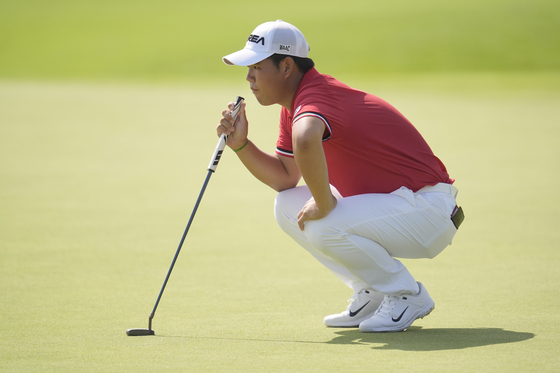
(374, 191)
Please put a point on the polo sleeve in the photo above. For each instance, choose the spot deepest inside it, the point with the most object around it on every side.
(313, 112)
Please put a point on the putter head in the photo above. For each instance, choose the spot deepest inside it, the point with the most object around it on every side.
(136, 332)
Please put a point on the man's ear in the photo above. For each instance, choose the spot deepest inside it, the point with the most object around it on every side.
(288, 65)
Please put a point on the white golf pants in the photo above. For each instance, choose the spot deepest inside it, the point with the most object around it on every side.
(360, 239)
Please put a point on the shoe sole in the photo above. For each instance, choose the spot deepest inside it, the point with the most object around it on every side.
(350, 324)
(421, 315)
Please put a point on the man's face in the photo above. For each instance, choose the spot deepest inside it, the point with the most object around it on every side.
(267, 82)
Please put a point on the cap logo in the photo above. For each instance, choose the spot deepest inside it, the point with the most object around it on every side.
(284, 47)
(256, 39)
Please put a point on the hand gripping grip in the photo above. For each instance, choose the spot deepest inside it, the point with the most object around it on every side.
(223, 138)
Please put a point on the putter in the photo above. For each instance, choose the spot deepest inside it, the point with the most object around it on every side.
(211, 169)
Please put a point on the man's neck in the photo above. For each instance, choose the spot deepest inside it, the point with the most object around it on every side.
(292, 87)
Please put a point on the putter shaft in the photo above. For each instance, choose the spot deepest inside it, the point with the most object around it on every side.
(211, 169)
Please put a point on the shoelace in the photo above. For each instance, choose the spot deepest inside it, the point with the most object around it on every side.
(387, 305)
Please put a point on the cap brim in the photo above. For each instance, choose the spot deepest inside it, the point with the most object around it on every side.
(245, 57)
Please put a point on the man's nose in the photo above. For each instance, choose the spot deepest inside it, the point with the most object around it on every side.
(250, 77)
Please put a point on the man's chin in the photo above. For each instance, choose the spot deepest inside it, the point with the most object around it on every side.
(262, 100)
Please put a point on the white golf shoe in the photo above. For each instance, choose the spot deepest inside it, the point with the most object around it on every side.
(363, 305)
(397, 313)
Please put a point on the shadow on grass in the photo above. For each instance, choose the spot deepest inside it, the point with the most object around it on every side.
(431, 339)
(425, 340)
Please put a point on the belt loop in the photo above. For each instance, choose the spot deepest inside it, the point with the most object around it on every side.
(440, 187)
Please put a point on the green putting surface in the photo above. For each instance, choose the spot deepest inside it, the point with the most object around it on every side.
(98, 182)
(107, 124)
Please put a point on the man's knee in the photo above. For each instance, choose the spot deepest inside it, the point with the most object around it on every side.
(323, 236)
(289, 202)
(286, 207)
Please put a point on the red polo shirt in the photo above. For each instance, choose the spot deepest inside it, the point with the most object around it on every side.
(370, 147)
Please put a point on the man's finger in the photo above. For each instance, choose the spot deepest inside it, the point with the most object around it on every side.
(301, 220)
(226, 125)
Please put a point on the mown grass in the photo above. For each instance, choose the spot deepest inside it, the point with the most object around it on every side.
(107, 115)
(98, 182)
(177, 40)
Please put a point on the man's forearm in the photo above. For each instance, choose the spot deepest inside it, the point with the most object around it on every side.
(310, 158)
(313, 166)
(269, 168)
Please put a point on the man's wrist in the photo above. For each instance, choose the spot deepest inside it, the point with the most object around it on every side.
(243, 146)
(329, 205)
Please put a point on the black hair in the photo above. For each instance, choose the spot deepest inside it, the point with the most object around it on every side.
(303, 64)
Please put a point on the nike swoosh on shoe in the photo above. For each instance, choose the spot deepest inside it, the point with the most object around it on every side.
(400, 317)
(352, 314)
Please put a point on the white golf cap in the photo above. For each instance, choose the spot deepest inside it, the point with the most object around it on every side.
(267, 39)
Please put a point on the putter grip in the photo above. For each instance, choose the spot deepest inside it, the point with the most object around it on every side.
(223, 138)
